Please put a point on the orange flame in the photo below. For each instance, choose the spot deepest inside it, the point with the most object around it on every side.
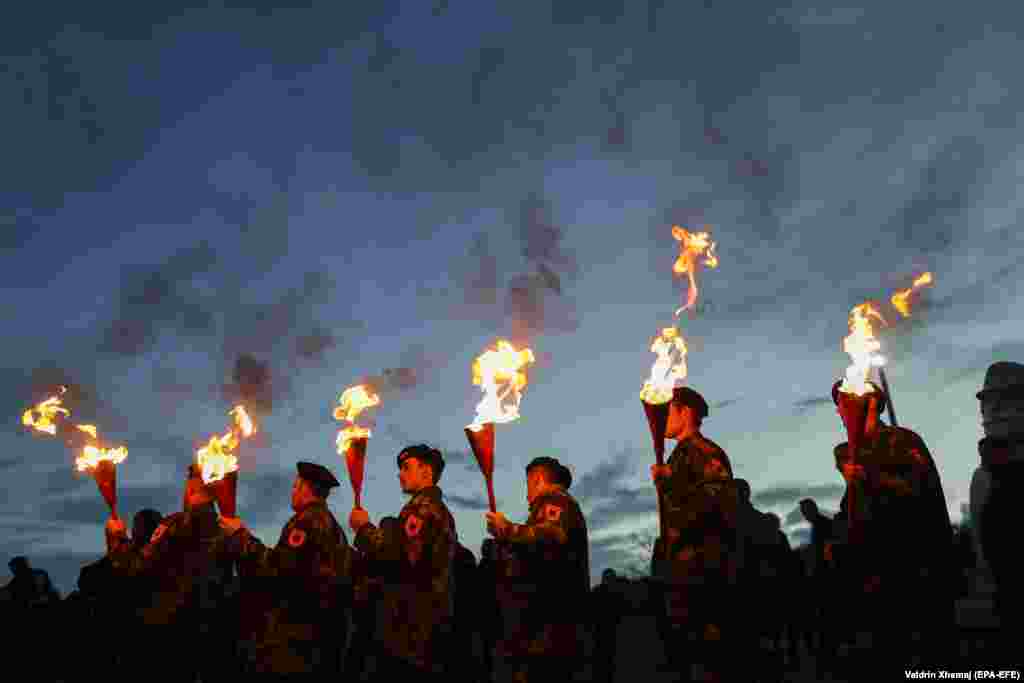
(901, 300)
(863, 347)
(243, 421)
(92, 455)
(353, 401)
(669, 369)
(500, 374)
(350, 433)
(693, 246)
(217, 458)
(43, 417)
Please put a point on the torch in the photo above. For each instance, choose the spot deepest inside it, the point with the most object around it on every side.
(218, 462)
(668, 369)
(855, 392)
(50, 417)
(101, 463)
(352, 438)
(500, 374)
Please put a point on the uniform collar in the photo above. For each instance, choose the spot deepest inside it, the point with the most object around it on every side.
(431, 492)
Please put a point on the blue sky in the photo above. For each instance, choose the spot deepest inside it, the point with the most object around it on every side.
(339, 192)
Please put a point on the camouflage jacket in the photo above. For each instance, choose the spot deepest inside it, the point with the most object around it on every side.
(187, 561)
(417, 552)
(900, 504)
(305, 583)
(700, 470)
(545, 570)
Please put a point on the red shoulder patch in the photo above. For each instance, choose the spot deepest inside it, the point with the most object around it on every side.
(158, 533)
(296, 538)
(552, 513)
(413, 525)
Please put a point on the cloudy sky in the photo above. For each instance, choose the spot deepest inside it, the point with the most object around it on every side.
(354, 190)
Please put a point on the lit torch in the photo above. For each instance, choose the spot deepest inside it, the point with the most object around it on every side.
(352, 438)
(500, 374)
(693, 246)
(101, 463)
(856, 392)
(218, 461)
(667, 372)
(50, 417)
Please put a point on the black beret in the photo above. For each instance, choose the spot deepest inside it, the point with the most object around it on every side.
(425, 454)
(561, 473)
(316, 474)
(689, 397)
(882, 397)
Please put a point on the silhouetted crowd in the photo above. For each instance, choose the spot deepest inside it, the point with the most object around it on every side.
(195, 596)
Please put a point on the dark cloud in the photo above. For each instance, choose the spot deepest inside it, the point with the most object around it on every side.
(718, 405)
(475, 503)
(477, 276)
(805, 405)
(154, 300)
(535, 301)
(607, 499)
(786, 495)
(314, 345)
(86, 506)
(251, 385)
(414, 368)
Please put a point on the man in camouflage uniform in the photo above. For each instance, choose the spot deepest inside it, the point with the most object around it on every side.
(549, 568)
(306, 574)
(896, 567)
(187, 563)
(416, 552)
(700, 508)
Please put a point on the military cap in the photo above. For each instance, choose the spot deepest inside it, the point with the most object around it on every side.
(316, 474)
(1003, 376)
(563, 476)
(882, 397)
(425, 454)
(690, 397)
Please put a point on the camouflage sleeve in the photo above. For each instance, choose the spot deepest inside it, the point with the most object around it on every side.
(126, 560)
(376, 542)
(442, 542)
(306, 547)
(551, 524)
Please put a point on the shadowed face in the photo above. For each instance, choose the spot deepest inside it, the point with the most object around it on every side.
(681, 422)
(302, 493)
(1002, 414)
(537, 484)
(414, 476)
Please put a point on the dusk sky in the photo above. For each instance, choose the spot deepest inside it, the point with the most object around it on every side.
(351, 188)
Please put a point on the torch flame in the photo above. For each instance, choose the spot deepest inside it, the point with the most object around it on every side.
(693, 246)
(88, 429)
(92, 455)
(217, 458)
(243, 421)
(350, 433)
(901, 300)
(863, 347)
(501, 376)
(47, 412)
(353, 401)
(669, 369)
